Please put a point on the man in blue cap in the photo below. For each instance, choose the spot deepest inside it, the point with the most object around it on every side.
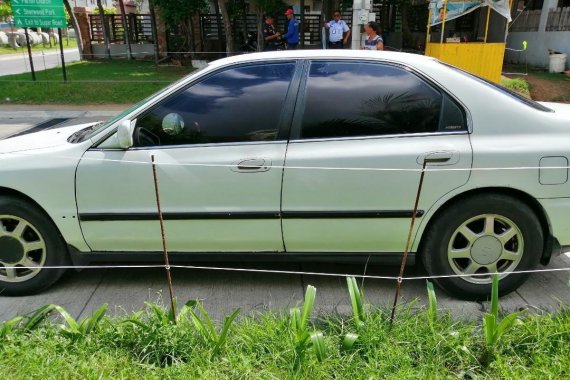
(292, 35)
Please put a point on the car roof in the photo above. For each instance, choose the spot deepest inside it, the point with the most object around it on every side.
(332, 53)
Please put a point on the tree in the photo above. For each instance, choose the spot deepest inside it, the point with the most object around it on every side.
(227, 26)
(105, 28)
(178, 14)
(75, 25)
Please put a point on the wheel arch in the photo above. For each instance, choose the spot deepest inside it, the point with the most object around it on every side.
(549, 241)
(6, 191)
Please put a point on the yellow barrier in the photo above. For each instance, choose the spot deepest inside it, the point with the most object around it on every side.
(482, 59)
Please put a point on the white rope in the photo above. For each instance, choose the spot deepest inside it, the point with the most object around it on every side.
(302, 273)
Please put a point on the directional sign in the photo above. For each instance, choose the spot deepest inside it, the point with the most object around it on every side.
(39, 13)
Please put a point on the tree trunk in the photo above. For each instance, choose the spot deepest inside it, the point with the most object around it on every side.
(75, 28)
(227, 27)
(260, 39)
(126, 29)
(105, 29)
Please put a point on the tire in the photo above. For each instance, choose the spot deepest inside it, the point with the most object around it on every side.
(28, 238)
(483, 234)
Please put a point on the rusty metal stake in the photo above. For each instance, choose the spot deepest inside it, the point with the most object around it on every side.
(164, 249)
(407, 249)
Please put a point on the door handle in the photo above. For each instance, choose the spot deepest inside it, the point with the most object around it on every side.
(252, 165)
(440, 157)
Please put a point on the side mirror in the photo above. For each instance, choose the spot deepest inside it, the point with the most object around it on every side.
(125, 134)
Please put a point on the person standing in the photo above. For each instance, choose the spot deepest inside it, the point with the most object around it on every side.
(374, 40)
(270, 34)
(339, 32)
(292, 35)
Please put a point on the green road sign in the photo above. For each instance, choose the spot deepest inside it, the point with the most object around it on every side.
(39, 13)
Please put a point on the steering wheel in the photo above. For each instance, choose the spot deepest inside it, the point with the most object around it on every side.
(144, 137)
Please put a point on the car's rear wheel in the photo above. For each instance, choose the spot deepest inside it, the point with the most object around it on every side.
(29, 242)
(478, 236)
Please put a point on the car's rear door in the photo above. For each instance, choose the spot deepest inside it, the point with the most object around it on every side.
(359, 138)
(219, 146)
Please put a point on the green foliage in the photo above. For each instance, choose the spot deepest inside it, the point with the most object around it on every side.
(303, 337)
(206, 327)
(80, 329)
(175, 12)
(259, 347)
(5, 10)
(492, 328)
(432, 305)
(356, 300)
(518, 85)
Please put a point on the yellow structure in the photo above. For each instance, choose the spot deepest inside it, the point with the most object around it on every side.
(479, 58)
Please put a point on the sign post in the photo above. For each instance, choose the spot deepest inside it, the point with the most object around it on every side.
(47, 14)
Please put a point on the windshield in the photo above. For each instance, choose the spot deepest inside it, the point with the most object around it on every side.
(103, 125)
(518, 97)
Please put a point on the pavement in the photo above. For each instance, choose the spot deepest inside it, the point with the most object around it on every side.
(20, 62)
(221, 291)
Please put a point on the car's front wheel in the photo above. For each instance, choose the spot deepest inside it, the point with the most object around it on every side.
(478, 236)
(29, 242)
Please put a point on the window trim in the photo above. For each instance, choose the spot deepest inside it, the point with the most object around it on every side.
(284, 123)
(296, 126)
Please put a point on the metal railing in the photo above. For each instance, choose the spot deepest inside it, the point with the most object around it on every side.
(139, 27)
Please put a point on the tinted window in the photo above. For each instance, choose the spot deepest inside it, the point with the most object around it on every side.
(236, 105)
(365, 99)
(505, 91)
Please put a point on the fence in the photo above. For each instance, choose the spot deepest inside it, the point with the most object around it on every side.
(212, 27)
(527, 21)
(558, 20)
(139, 27)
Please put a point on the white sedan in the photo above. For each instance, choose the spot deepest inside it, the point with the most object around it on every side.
(299, 154)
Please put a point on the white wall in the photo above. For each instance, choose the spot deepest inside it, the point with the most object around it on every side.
(537, 47)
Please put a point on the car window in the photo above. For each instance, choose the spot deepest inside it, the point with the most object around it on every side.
(505, 91)
(235, 105)
(346, 99)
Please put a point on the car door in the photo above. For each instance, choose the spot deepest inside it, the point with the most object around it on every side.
(358, 142)
(219, 146)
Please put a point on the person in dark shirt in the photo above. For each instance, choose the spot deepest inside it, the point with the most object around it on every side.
(270, 34)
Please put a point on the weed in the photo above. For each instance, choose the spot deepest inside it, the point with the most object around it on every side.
(303, 337)
(493, 329)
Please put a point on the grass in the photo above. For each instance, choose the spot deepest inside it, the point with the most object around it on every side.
(38, 48)
(149, 345)
(90, 82)
(516, 84)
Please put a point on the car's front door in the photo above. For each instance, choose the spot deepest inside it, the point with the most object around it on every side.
(219, 146)
(354, 159)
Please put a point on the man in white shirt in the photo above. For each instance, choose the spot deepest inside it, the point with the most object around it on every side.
(339, 32)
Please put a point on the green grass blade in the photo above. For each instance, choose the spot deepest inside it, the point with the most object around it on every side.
(71, 322)
(348, 341)
(295, 314)
(319, 347)
(432, 308)
(9, 326)
(36, 319)
(308, 306)
(356, 300)
(208, 321)
(186, 308)
(160, 314)
(507, 323)
(490, 327)
(495, 296)
(224, 334)
(95, 319)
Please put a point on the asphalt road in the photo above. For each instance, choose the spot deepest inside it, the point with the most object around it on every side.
(126, 290)
(20, 63)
